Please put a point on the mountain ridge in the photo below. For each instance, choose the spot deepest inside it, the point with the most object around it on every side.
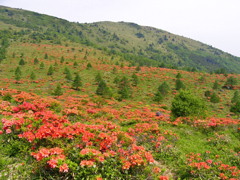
(143, 45)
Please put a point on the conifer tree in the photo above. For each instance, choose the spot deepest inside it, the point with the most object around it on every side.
(77, 82)
(46, 56)
(124, 88)
(58, 91)
(98, 78)
(236, 97)
(231, 81)
(21, 62)
(62, 59)
(36, 61)
(103, 90)
(75, 64)
(164, 88)
(68, 75)
(214, 98)
(18, 73)
(158, 97)
(89, 66)
(42, 65)
(135, 80)
(50, 71)
(216, 85)
(235, 108)
(178, 76)
(179, 84)
(32, 76)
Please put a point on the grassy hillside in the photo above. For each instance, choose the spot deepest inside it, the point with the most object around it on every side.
(118, 124)
(137, 44)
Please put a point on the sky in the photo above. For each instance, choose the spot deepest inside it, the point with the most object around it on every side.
(214, 22)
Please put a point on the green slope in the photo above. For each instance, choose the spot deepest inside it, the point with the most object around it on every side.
(137, 44)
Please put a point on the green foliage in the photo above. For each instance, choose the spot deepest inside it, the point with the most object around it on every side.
(103, 90)
(50, 71)
(58, 91)
(21, 62)
(89, 66)
(124, 88)
(98, 78)
(208, 93)
(216, 85)
(46, 56)
(164, 88)
(138, 68)
(7, 97)
(236, 97)
(135, 80)
(75, 64)
(214, 98)
(158, 96)
(77, 82)
(231, 81)
(179, 84)
(32, 76)
(42, 65)
(186, 104)
(36, 61)
(18, 73)
(179, 75)
(235, 108)
(68, 75)
(62, 60)
(202, 79)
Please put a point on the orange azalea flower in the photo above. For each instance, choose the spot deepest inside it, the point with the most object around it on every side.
(63, 168)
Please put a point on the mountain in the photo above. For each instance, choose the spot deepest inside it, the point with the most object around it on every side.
(138, 44)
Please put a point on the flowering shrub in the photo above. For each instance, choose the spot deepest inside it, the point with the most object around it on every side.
(57, 143)
(207, 166)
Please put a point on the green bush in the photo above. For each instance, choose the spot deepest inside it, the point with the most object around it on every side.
(186, 104)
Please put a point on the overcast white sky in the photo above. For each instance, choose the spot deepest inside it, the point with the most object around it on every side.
(214, 22)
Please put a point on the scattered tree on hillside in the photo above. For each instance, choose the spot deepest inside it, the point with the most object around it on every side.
(179, 84)
(77, 82)
(216, 85)
(58, 91)
(236, 97)
(179, 75)
(235, 108)
(46, 56)
(68, 75)
(164, 88)
(62, 60)
(135, 80)
(50, 71)
(18, 73)
(231, 81)
(124, 88)
(158, 97)
(36, 61)
(98, 78)
(75, 64)
(42, 65)
(32, 76)
(89, 66)
(103, 90)
(186, 104)
(214, 98)
(21, 62)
